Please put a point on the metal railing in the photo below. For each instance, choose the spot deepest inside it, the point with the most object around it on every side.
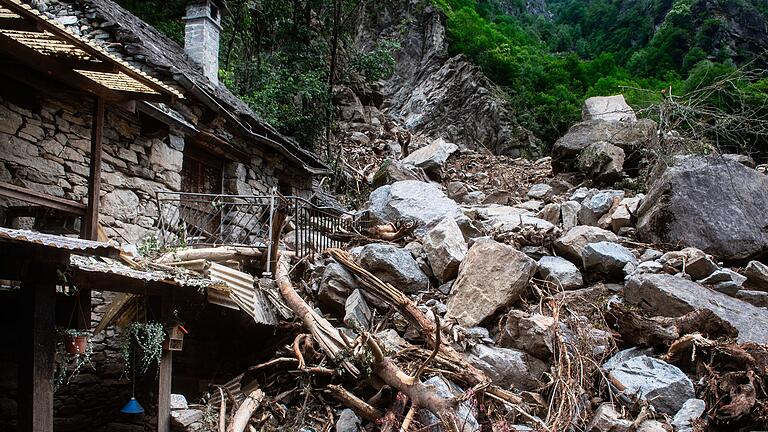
(192, 219)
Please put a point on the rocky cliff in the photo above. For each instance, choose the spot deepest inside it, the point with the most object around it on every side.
(435, 94)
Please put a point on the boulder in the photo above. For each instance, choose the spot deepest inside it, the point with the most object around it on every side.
(508, 367)
(336, 285)
(572, 243)
(178, 401)
(662, 385)
(183, 418)
(608, 108)
(757, 276)
(696, 263)
(448, 390)
(756, 298)
(671, 296)
(691, 410)
(395, 171)
(532, 333)
(356, 311)
(569, 212)
(445, 248)
(709, 202)
(594, 207)
(423, 203)
(607, 258)
(492, 276)
(541, 192)
(607, 419)
(602, 162)
(561, 272)
(550, 213)
(632, 137)
(348, 422)
(432, 158)
(393, 265)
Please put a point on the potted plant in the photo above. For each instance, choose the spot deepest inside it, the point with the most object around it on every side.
(75, 341)
(72, 353)
(142, 345)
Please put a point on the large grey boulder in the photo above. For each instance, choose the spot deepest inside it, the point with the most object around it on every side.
(602, 162)
(423, 203)
(633, 138)
(709, 202)
(561, 272)
(492, 276)
(508, 367)
(671, 296)
(445, 247)
(659, 383)
(395, 266)
(609, 108)
(607, 258)
(432, 158)
(571, 245)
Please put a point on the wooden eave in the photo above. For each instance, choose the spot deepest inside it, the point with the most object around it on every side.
(46, 46)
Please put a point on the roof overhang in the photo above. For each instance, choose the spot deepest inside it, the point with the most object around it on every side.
(42, 44)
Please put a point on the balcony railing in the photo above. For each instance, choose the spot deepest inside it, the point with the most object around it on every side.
(191, 219)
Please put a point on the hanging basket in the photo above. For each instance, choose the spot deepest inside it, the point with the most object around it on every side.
(76, 345)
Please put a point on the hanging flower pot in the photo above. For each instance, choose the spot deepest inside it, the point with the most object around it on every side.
(75, 343)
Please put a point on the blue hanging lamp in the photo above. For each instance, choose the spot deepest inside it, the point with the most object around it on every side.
(133, 406)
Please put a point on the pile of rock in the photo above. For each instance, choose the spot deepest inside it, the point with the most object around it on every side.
(468, 263)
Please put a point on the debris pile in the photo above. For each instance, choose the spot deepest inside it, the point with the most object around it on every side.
(474, 304)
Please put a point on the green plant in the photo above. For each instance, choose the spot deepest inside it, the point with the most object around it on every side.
(69, 365)
(378, 63)
(142, 345)
(150, 246)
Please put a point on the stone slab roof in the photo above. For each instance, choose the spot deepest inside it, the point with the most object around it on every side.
(144, 47)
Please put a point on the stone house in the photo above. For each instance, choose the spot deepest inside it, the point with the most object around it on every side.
(98, 113)
(206, 140)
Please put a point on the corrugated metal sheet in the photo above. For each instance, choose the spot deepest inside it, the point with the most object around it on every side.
(60, 242)
(243, 292)
(181, 277)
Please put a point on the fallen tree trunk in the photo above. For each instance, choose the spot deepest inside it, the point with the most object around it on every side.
(244, 413)
(221, 253)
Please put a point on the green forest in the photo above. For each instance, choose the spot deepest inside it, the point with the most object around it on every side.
(642, 48)
(283, 57)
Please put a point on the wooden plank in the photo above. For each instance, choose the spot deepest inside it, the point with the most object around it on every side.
(97, 53)
(97, 66)
(165, 371)
(51, 67)
(91, 222)
(38, 346)
(28, 195)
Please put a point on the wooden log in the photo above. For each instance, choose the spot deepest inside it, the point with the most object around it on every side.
(358, 405)
(165, 372)
(244, 413)
(222, 253)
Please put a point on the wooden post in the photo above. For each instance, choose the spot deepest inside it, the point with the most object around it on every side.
(90, 229)
(165, 372)
(90, 224)
(38, 349)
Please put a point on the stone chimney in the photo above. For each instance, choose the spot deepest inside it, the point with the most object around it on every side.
(201, 35)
